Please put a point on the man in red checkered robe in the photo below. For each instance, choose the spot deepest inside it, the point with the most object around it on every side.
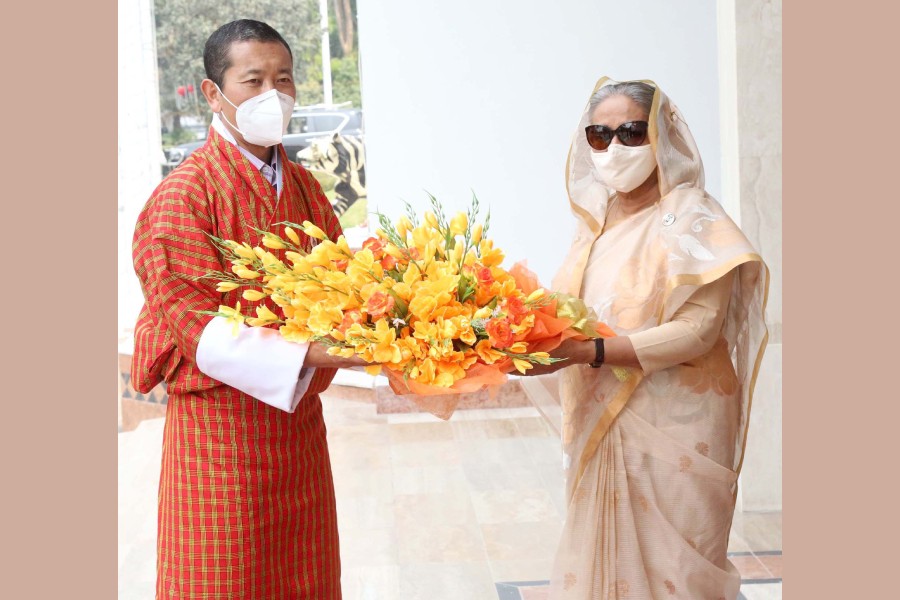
(246, 498)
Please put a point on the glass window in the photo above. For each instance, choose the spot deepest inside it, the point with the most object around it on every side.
(327, 122)
(298, 125)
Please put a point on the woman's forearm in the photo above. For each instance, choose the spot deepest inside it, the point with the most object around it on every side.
(617, 351)
(620, 353)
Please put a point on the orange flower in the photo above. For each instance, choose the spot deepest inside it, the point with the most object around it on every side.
(350, 317)
(376, 246)
(484, 275)
(499, 333)
(388, 262)
(378, 304)
(516, 309)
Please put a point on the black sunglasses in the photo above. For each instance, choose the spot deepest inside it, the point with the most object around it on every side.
(633, 133)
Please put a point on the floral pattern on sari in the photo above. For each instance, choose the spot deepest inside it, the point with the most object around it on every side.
(639, 288)
(712, 371)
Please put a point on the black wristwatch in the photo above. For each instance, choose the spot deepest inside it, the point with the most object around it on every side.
(598, 359)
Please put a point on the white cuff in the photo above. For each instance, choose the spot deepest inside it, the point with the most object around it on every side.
(258, 362)
(306, 375)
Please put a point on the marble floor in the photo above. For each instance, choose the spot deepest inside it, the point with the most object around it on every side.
(472, 507)
(466, 509)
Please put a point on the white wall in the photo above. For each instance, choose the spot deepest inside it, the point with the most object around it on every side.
(485, 95)
(139, 140)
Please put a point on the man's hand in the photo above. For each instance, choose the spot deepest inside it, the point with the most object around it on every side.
(317, 356)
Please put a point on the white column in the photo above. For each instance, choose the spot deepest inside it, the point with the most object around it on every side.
(728, 110)
(139, 139)
(750, 76)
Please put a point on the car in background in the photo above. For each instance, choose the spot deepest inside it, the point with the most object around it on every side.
(306, 124)
(176, 154)
(312, 122)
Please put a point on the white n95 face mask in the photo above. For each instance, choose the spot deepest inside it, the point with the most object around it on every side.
(263, 119)
(623, 168)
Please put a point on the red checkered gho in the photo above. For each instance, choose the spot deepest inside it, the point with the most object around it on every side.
(246, 498)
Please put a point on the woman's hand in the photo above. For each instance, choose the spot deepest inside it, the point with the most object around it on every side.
(617, 350)
(317, 356)
(576, 352)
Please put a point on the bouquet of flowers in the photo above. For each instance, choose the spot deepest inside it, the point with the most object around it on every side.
(425, 302)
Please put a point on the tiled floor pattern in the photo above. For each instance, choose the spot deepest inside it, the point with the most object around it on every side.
(760, 579)
(468, 509)
(471, 508)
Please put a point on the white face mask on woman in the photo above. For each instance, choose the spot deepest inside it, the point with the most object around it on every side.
(263, 119)
(623, 168)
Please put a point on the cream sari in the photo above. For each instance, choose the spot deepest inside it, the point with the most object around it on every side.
(653, 461)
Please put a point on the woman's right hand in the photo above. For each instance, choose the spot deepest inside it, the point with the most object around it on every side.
(575, 352)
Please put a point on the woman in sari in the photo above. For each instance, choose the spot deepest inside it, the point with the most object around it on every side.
(654, 419)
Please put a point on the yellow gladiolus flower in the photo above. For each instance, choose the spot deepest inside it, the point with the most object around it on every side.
(476, 233)
(522, 365)
(459, 224)
(425, 330)
(343, 246)
(487, 353)
(431, 220)
(384, 350)
(272, 241)
(412, 275)
(395, 252)
(426, 240)
(323, 317)
(293, 332)
(470, 359)
(227, 286)
(373, 369)
(264, 316)
(245, 273)
(342, 352)
(313, 231)
(470, 259)
(292, 235)
(422, 305)
(538, 293)
(244, 251)
(456, 254)
(519, 348)
(404, 226)
(443, 380)
(482, 313)
(490, 257)
(253, 295)
(233, 316)
(426, 371)
(524, 325)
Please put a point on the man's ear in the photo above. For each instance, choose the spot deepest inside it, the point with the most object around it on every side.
(212, 95)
